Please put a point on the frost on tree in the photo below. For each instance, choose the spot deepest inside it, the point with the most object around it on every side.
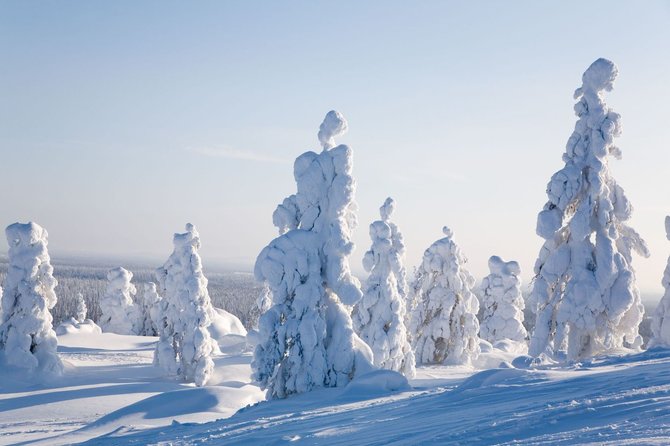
(444, 319)
(502, 302)
(26, 334)
(118, 312)
(306, 336)
(185, 346)
(149, 310)
(660, 324)
(584, 296)
(379, 317)
(81, 309)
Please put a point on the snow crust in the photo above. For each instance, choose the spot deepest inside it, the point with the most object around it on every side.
(379, 317)
(306, 337)
(584, 295)
(660, 324)
(502, 302)
(444, 317)
(119, 315)
(27, 338)
(185, 346)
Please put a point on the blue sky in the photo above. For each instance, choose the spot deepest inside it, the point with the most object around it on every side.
(120, 121)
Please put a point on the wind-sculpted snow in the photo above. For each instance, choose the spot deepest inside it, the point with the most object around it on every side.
(502, 302)
(660, 324)
(379, 317)
(27, 338)
(444, 317)
(119, 313)
(185, 346)
(584, 296)
(306, 339)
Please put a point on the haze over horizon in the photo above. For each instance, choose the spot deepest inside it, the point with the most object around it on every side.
(117, 129)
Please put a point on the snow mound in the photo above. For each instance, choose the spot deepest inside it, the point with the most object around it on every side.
(72, 326)
(227, 330)
(377, 382)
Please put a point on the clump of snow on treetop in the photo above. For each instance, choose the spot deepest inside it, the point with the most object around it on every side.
(119, 314)
(306, 336)
(660, 324)
(185, 346)
(584, 295)
(26, 334)
(379, 316)
(444, 317)
(502, 302)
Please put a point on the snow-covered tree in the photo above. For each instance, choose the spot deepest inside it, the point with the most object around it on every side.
(306, 336)
(119, 313)
(584, 296)
(27, 337)
(444, 320)
(80, 315)
(502, 302)
(379, 317)
(660, 324)
(185, 346)
(148, 310)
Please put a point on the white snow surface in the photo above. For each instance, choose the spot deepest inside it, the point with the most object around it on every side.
(660, 324)
(502, 302)
(379, 317)
(444, 321)
(119, 315)
(27, 338)
(584, 295)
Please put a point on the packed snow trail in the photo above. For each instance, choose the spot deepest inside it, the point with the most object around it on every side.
(610, 400)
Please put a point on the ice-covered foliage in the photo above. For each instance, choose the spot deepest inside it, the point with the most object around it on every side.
(584, 296)
(27, 337)
(120, 315)
(379, 317)
(81, 308)
(660, 324)
(185, 346)
(149, 310)
(502, 302)
(306, 336)
(444, 319)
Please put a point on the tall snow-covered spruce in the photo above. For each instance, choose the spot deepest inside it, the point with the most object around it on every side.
(119, 314)
(81, 310)
(148, 304)
(502, 302)
(306, 336)
(379, 317)
(27, 338)
(185, 346)
(660, 324)
(444, 318)
(584, 296)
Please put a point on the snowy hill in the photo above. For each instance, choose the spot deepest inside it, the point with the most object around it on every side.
(112, 395)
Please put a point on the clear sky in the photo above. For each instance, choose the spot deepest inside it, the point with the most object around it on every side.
(122, 120)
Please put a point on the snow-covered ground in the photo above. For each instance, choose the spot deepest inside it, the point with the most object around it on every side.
(112, 395)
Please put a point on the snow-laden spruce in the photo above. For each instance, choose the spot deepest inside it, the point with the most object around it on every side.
(660, 324)
(379, 317)
(584, 296)
(81, 309)
(502, 302)
(185, 346)
(149, 313)
(119, 314)
(27, 337)
(444, 318)
(306, 336)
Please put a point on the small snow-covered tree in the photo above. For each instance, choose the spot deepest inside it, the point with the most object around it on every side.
(306, 336)
(81, 309)
(584, 296)
(444, 320)
(27, 337)
(379, 317)
(185, 346)
(119, 313)
(660, 324)
(502, 302)
(148, 304)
